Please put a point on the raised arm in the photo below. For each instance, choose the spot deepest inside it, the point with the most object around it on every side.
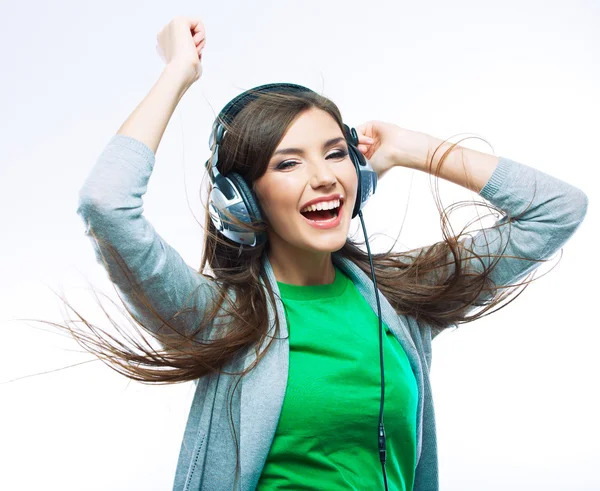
(544, 211)
(548, 212)
(111, 206)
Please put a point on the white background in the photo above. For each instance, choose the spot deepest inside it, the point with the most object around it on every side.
(516, 393)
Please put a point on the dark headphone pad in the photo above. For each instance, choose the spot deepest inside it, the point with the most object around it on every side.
(247, 195)
(355, 157)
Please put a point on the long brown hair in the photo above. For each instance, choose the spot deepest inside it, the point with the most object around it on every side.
(432, 284)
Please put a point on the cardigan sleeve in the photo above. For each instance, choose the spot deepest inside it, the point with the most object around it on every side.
(544, 211)
(111, 206)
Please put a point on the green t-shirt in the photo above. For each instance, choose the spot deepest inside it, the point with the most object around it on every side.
(326, 437)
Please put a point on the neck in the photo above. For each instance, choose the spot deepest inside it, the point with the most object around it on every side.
(302, 268)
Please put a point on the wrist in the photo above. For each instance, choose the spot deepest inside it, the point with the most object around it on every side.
(181, 74)
(413, 150)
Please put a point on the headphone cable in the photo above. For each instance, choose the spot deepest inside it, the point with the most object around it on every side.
(380, 427)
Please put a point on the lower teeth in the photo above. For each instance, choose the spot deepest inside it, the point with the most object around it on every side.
(335, 214)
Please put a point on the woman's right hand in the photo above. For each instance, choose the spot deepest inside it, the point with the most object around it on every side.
(180, 43)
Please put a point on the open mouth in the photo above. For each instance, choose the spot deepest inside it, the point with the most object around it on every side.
(323, 215)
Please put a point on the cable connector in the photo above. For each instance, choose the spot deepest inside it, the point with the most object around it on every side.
(381, 444)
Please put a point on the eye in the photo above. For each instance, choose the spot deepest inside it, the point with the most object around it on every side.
(340, 154)
(287, 164)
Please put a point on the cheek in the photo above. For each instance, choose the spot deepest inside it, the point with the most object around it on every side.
(276, 205)
(350, 183)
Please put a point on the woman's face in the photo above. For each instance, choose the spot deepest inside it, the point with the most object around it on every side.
(310, 163)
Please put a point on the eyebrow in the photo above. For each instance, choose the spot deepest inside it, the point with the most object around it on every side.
(328, 143)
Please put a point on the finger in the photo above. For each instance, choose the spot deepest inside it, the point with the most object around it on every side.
(364, 138)
(197, 28)
(199, 37)
(195, 23)
(363, 130)
(363, 148)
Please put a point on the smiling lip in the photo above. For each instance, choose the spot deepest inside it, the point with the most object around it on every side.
(327, 224)
(331, 197)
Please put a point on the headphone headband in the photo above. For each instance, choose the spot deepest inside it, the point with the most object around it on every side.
(233, 107)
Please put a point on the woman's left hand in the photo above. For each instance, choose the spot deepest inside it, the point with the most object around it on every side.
(386, 145)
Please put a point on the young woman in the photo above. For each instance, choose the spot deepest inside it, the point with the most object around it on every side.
(280, 336)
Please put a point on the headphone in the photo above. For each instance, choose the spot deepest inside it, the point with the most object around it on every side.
(231, 193)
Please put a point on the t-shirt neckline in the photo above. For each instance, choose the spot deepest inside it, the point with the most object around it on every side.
(312, 292)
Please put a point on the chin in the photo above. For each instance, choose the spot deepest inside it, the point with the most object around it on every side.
(304, 237)
(330, 243)
(332, 246)
(326, 240)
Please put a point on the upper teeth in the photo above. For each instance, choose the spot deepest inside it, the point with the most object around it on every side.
(323, 205)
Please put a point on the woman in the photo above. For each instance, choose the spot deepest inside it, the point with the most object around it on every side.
(280, 337)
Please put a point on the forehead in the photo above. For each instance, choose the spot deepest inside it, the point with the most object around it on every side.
(313, 126)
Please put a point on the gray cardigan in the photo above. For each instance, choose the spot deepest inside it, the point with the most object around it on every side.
(110, 203)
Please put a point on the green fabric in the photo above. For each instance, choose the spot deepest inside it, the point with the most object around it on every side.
(326, 437)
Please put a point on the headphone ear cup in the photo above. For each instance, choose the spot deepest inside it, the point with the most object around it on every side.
(367, 177)
(249, 200)
(355, 157)
(246, 194)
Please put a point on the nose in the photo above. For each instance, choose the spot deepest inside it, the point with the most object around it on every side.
(322, 176)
